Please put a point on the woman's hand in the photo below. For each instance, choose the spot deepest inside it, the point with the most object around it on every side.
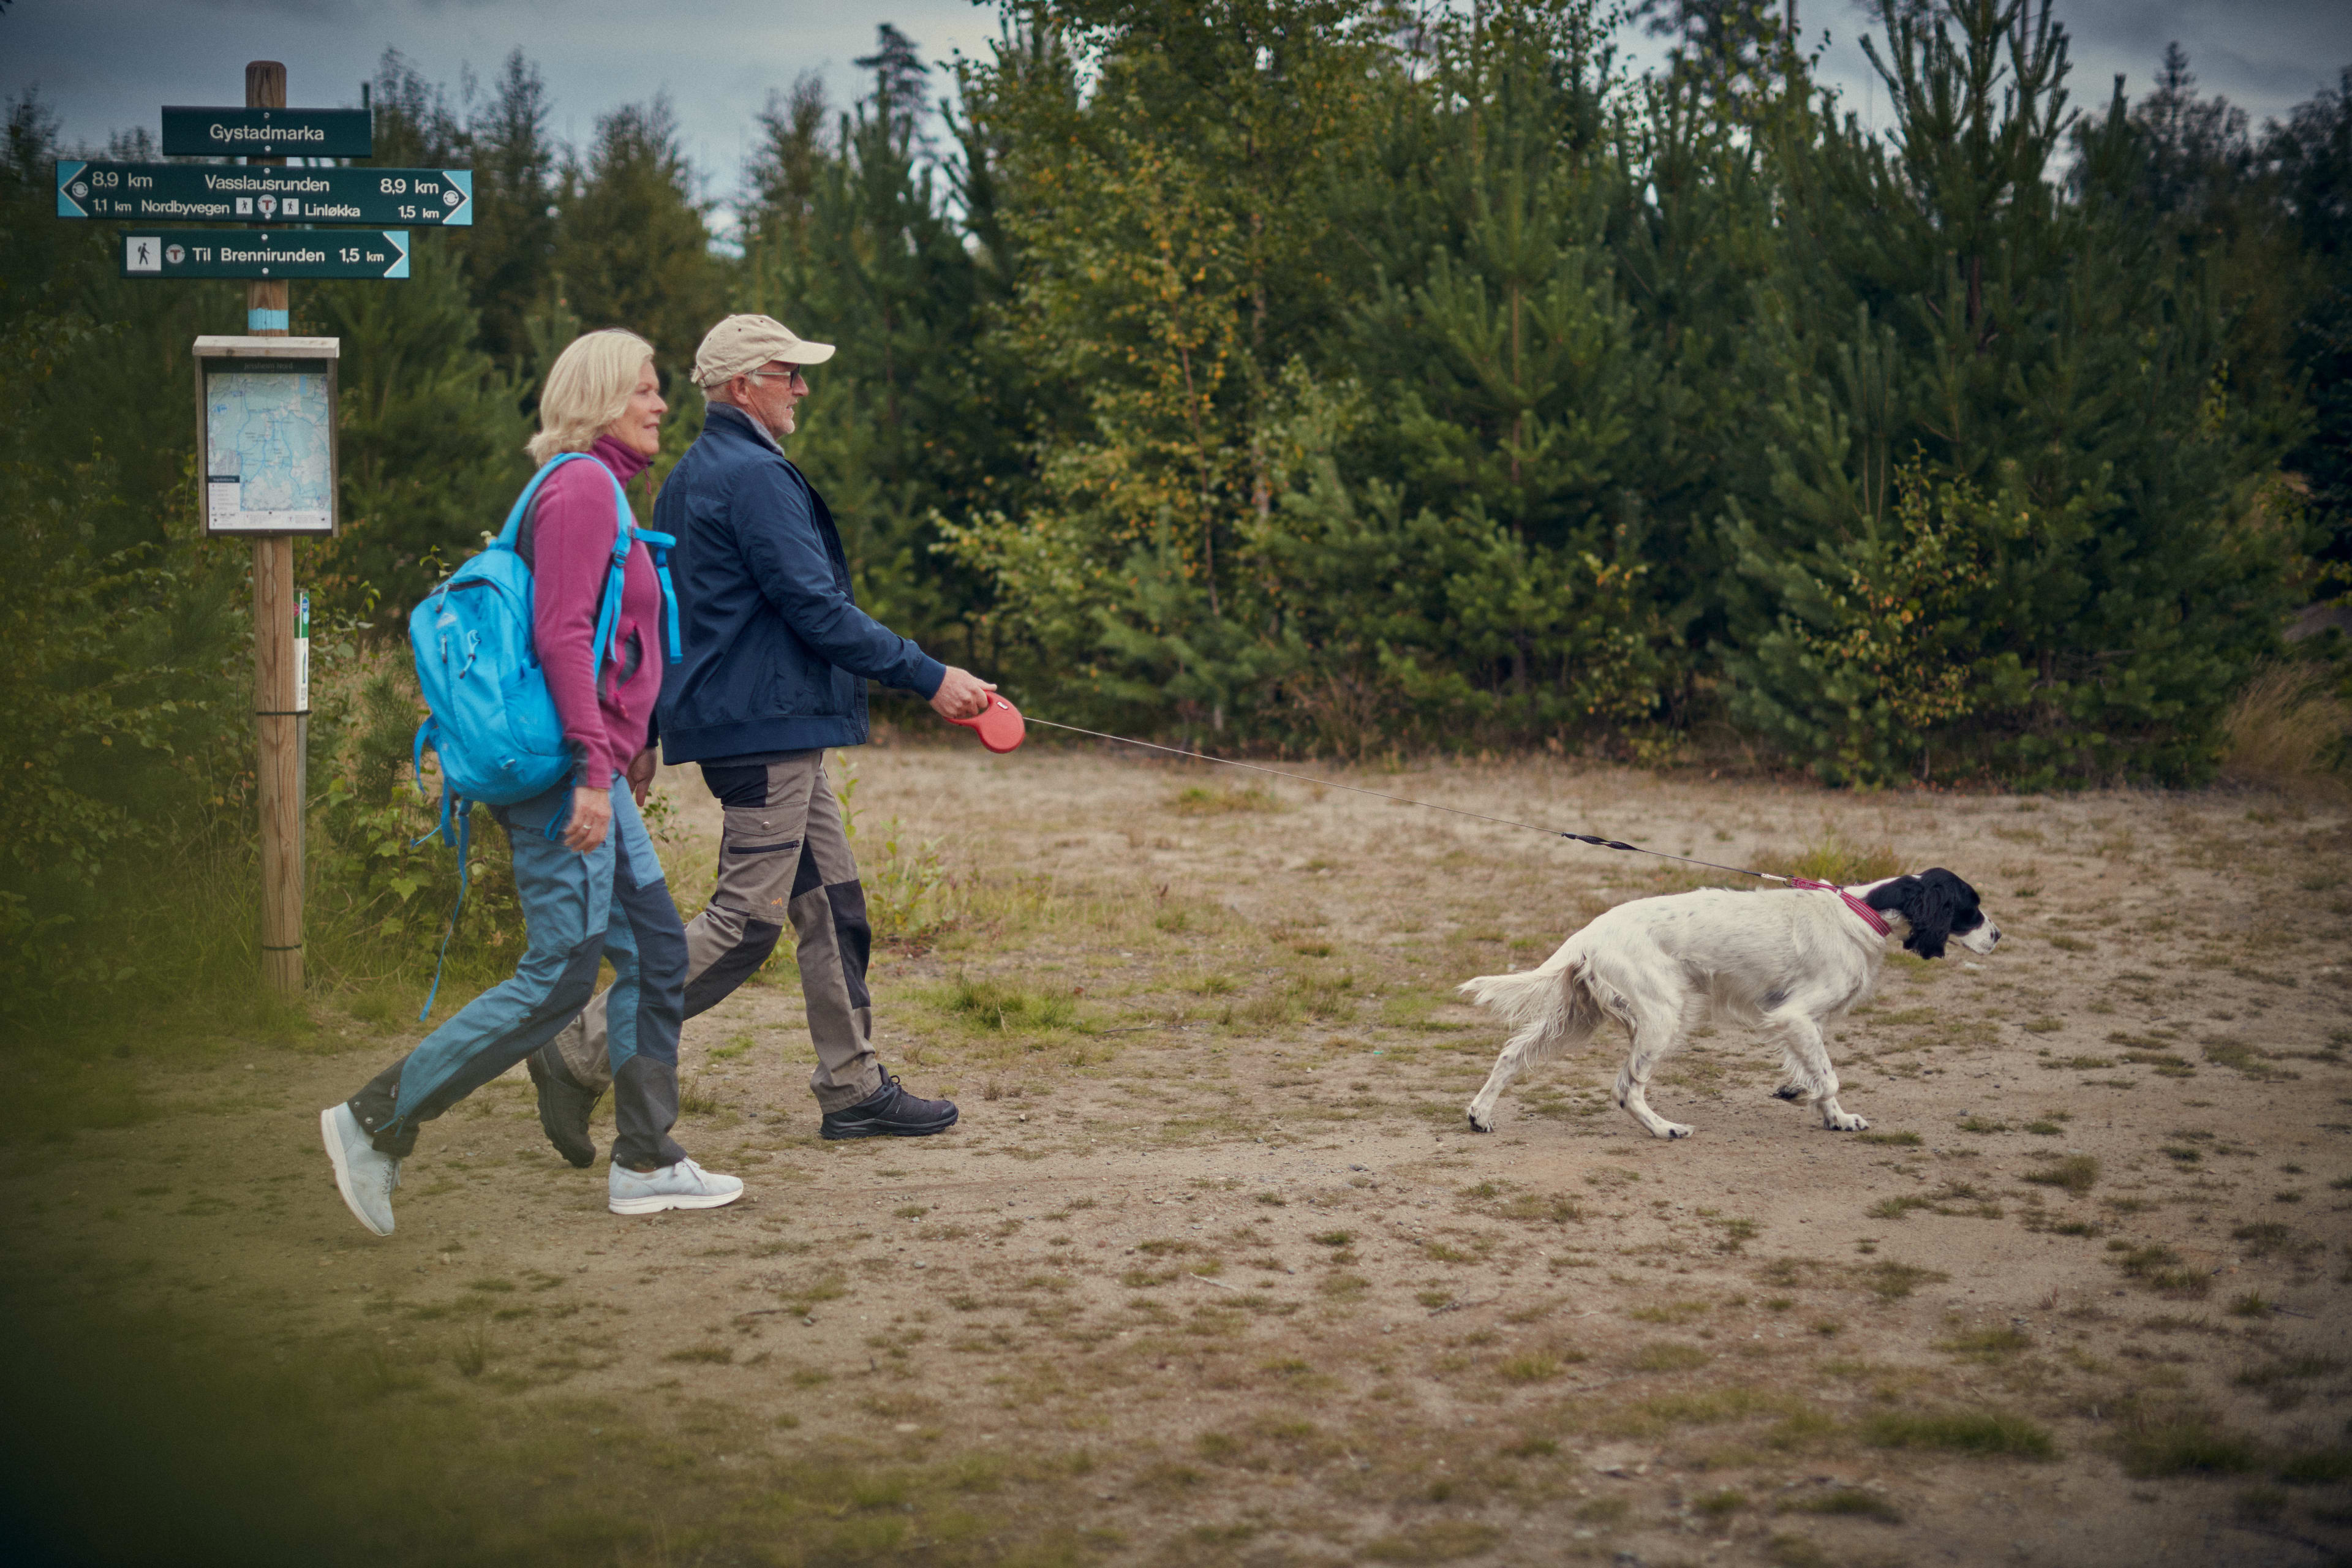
(591, 817)
(641, 771)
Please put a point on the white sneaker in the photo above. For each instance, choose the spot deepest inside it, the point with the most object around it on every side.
(685, 1186)
(363, 1176)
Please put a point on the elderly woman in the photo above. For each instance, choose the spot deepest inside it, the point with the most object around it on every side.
(596, 891)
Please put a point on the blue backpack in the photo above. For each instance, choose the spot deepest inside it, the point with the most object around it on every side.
(493, 721)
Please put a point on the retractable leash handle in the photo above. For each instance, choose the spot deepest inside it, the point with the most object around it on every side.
(998, 725)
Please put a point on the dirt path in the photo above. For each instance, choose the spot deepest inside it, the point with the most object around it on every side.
(1214, 1271)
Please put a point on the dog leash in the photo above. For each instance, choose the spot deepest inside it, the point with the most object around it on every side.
(999, 728)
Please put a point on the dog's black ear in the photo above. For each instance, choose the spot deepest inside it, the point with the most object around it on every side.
(1931, 902)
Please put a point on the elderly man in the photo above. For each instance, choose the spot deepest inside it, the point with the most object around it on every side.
(777, 656)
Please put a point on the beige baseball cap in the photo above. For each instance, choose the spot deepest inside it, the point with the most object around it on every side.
(743, 343)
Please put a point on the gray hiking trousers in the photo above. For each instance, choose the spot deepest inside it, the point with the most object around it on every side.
(783, 855)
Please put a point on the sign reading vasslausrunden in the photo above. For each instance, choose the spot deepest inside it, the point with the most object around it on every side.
(198, 132)
(227, 193)
(265, 417)
(270, 253)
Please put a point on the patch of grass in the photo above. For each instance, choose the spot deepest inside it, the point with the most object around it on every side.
(1889, 1139)
(1439, 1541)
(2183, 1440)
(2287, 1369)
(1986, 1344)
(1995, 1433)
(2075, 1174)
(996, 1006)
(1666, 1356)
(910, 1211)
(1845, 1502)
(703, 1355)
(1210, 800)
(1543, 1206)
(1670, 1312)
(1896, 1280)
(2319, 1467)
(2266, 1237)
(1794, 1551)
(1982, 1125)
(1536, 1366)
(1832, 857)
(1333, 1238)
(1721, 1504)
(2158, 1268)
(2285, 730)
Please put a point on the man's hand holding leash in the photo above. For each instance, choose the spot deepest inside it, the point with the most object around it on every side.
(962, 695)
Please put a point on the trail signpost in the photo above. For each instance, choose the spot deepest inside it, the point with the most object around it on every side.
(222, 193)
(267, 130)
(265, 400)
(275, 253)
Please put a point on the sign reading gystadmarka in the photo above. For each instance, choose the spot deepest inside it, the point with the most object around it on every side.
(193, 132)
(227, 193)
(265, 253)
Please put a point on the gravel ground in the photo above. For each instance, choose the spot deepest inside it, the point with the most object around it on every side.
(1214, 1269)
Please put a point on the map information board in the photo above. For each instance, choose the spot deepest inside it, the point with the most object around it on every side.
(270, 441)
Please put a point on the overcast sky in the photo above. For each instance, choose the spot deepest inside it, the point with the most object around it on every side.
(107, 65)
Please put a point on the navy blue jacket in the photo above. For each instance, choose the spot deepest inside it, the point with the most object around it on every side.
(776, 652)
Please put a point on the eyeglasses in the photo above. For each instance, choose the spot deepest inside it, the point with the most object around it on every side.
(786, 377)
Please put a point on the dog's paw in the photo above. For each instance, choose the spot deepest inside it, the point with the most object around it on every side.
(1674, 1130)
(1486, 1125)
(1790, 1091)
(1845, 1121)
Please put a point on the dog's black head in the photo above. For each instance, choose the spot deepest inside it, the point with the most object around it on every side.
(1938, 906)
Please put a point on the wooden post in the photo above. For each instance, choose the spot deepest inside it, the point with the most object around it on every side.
(281, 729)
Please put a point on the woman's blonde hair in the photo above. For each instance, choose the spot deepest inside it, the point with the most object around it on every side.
(587, 388)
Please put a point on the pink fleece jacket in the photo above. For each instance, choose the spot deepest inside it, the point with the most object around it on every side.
(572, 527)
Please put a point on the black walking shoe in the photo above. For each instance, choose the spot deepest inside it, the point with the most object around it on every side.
(563, 1108)
(890, 1112)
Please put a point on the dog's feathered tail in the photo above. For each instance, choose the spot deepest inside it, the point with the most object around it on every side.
(1553, 996)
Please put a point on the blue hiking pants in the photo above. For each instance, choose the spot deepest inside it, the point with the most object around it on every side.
(611, 902)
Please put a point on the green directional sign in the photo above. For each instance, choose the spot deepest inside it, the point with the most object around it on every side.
(265, 253)
(190, 132)
(227, 193)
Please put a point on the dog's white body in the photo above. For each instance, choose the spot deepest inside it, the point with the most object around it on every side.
(1786, 960)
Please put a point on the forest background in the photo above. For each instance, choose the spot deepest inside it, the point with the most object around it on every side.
(1311, 376)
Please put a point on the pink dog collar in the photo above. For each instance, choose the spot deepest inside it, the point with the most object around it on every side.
(1870, 917)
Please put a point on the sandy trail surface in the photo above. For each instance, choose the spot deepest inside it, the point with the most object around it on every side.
(1214, 1269)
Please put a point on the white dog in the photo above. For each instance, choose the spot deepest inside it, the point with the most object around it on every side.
(1785, 960)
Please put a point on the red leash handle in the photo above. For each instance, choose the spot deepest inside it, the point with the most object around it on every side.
(998, 725)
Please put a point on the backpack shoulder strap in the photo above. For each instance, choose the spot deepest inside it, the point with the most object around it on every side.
(512, 536)
(608, 615)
